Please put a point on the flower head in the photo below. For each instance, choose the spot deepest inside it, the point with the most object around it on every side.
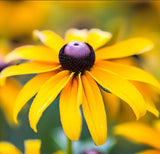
(60, 67)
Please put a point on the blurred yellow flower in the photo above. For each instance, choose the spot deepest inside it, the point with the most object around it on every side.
(19, 18)
(79, 67)
(31, 147)
(141, 133)
(9, 91)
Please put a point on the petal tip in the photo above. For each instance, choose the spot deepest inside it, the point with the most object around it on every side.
(38, 35)
(32, 121)
(16, 121)
(73, 138)
(35, 130)
(34, 127)
(148, 48)
(15, 118)
(36, 32)
(7, 58)
(11, 56)
(100, 142)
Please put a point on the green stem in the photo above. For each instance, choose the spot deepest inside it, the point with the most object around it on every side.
(69, 147)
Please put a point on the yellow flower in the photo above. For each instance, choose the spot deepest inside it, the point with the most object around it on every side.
(31, 147)
(141, 133)
(21, 17)
(78, 67)
(9, 91)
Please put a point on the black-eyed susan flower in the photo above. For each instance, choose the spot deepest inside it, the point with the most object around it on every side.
(77, 68)
(31, 147)
(141, 133)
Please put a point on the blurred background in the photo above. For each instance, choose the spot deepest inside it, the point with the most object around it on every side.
(124, 20)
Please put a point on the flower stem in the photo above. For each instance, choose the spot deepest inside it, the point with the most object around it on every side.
(69, 147)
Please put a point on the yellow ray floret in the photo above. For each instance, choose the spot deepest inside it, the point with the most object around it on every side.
(26, 93)
(47, 93)
(124, 49)
(93, 110)
(98, 38)
(50, 39)
(76, 35)
(129, 72)
(70, 110)
(27, 68)
(37, 53)
(121, 88)
(94, 37)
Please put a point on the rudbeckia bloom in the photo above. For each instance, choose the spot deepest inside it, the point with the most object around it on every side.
(31, 147)
(141, 133)
(76, 67)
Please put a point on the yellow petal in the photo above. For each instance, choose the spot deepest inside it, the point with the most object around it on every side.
(76, 35)
(149, 152)
(93, 110)
(97, 38)
(129, 72)
(47, 93)
(112, 104)
(8, 94)
(121, 88)
(50, 39)
(29, 90)
(152, 108)
(27, 68)
(38, 53)
(149, 92)
(8, 148)
(150, 96)
(139, 132)
(124, 49)
(70, 111)
(32, 146)
(80, 89)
